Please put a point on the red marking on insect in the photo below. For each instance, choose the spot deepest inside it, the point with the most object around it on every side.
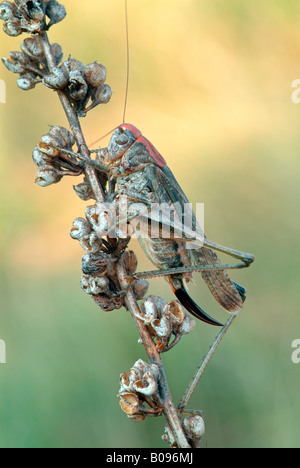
(155, 155)
(135, 131)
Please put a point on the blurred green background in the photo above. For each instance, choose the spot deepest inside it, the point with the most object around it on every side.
(210, 86)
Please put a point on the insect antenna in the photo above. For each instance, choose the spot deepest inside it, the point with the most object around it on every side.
(127, 75)
(127, 60)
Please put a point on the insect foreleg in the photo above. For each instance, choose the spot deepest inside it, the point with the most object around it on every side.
(86, 160)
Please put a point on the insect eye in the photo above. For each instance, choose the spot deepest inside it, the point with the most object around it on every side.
(122, 139)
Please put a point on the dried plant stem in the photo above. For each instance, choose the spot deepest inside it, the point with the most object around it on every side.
(169, 409)
(74, 124)
(201, 369)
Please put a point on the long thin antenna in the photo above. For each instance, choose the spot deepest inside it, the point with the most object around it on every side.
(128, 60)
(127, 75)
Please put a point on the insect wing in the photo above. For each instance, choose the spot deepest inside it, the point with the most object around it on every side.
(219, 282)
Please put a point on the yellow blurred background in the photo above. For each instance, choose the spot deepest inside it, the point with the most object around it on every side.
(210, 86)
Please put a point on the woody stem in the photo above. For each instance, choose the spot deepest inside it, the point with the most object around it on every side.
(169, 409)
(74, 124)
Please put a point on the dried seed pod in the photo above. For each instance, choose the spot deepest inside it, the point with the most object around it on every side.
(56, 12)
(65, 137)
(176, 312)
(140, 289)
(7, 11)
(41, 159)
(151, 308)
(129, 403)
(84, 190)
(163, 327)
(72, 65)
(57, 79)
(59, 137)
(130, 261)
(47, 143)
(93, 284)
(33, 47)
(187, 325)
(194, 427)
(108, 304)
(101, 95)
(91, 244)
(78, 87)
(80, 229)
(57, 52)
(102, 218)
(147, 385)
(12, 27)
(32, 10)
(95, 264)
(46, 177)
(26, 81)
(95, 74)
(16, 62)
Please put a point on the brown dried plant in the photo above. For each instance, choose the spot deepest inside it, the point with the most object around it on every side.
(108, 266)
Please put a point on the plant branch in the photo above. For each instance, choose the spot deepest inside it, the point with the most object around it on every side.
(169, 409)
(74, 124)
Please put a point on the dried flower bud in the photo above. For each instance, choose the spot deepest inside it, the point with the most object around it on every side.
(80, 229)
(187, 325)
(108, 304)
(56, 12)
(57, 52)
(32, 10)
(140, 289)
(33, 47)
(151, 308)
(15, 63)
(64, 136)
(103, 94)
(130, 261)
(95, 264)
(91, 244)
(7, 11)
(72, 65)
(46, 177)
(95, 74)
(26, 81)
(78, 87)
(162, 327)
(40, 159)
(176, 311)
(47, 143)
(147, 385)
(102, 218)
(57, 79)
(12, 27)
(194, 427)
(94, 284)
(129, 403)
(59, 137)
(84, 190)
